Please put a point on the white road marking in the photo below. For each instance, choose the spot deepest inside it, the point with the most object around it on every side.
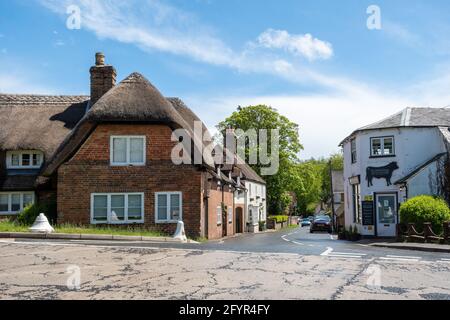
(327, 252)
(341, 256)
(401, 257)
(444, 259)
(350, 253)
(299, 243)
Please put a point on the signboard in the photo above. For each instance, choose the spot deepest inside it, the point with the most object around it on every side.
(380, 173)
(367, 213)
(355, 180)
(368, 198)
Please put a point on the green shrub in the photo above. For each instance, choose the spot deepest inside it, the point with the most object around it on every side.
(425, 209)
(31, 212)
(279, 218)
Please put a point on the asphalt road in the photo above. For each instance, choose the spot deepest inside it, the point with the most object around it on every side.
(292, 264)
(292, 241)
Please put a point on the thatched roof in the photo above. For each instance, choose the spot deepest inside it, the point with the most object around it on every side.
(38, 122)
(135, 99)
(59, 125)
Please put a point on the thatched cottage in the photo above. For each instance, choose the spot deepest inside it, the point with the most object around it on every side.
(106, 159)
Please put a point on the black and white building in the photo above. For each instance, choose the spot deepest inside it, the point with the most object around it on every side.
(387, 162)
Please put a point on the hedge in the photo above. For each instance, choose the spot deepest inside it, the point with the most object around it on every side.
(279, 219)
(425, 209)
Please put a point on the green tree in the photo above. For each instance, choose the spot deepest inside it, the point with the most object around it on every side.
(265, 117)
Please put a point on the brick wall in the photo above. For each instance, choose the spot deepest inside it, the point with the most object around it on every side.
(215, 230)
(89, 171)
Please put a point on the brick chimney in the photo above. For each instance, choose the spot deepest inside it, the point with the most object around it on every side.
(103, 78)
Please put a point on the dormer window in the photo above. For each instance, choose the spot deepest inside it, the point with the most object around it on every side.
(24, 159)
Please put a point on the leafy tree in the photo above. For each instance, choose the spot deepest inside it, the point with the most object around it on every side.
(265, 117)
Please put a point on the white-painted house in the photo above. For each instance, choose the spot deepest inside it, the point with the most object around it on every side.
(252, 200)
(390, 161)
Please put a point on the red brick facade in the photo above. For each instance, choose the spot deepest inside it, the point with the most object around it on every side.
(89, 171)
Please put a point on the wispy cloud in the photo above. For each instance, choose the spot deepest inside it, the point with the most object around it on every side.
(15, 83)
(304, 45)
(401, 33)
(157, 26)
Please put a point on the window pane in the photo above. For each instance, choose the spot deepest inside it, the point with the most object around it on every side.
(15, 202)
(15, 160)
(388, 146)
(162, 207)
(135, 207)
(36, 159)
(27, 199)
(175, 207)
(137, 150)
(376, 147)
(26, 159)
(230, 214)
(100, 208)
(219, 215)
(117, 207)
(119, 150)
(4, 203)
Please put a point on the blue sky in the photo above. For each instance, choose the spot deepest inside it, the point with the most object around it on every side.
(315, 61)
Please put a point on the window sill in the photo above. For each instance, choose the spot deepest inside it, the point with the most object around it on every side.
(167, 221)
(388, 156)
(116, 222)
(127, 165)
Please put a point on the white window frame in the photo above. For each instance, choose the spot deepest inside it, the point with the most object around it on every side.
(382, 139)
(219, 215)
(20, 153)
(353, 151)
(230, 215)
(21, 193)
(108, 211)
(168, 194)
(128, 152)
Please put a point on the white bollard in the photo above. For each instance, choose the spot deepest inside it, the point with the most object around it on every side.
(41, 225)
(180, 234)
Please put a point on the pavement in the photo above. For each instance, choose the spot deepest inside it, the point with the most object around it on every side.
(291, 264)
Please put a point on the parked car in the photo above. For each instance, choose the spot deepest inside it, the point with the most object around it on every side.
(311, 218)
(305, 222)
(321, 223)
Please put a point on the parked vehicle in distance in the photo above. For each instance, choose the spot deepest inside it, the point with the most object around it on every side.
(311, 218)
(305, 222)
(321, 223)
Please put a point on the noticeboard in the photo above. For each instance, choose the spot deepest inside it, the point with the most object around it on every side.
(367, 213)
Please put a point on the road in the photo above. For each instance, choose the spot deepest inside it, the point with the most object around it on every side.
(291, 264)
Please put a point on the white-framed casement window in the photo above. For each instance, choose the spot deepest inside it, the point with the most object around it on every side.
(15, 202)
(353, 150)
(117, 208)
(168, 207)
(230, 215)
(382, 146)
(219, 215)
(24, 159)
(127, 150)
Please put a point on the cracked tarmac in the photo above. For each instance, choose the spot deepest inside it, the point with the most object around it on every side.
(38, 271)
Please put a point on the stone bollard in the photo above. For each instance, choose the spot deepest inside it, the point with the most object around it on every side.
(180, 234)
(41, 225)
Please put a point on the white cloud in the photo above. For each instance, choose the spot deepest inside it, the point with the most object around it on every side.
(304, 45)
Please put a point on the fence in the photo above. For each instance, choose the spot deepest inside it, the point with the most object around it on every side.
(409, 233)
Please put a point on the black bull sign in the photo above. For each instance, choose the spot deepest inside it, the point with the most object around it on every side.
(381, 172)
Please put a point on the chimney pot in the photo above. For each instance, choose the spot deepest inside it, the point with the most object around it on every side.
(99, 59)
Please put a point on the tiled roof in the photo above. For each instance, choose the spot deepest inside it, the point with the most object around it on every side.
(411, 117)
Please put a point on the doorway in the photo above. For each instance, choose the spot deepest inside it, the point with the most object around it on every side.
(386, 210)
(239, 219)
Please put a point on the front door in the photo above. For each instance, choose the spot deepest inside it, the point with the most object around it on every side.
(386, 214)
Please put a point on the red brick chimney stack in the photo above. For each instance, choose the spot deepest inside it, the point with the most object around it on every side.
(103, 78)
